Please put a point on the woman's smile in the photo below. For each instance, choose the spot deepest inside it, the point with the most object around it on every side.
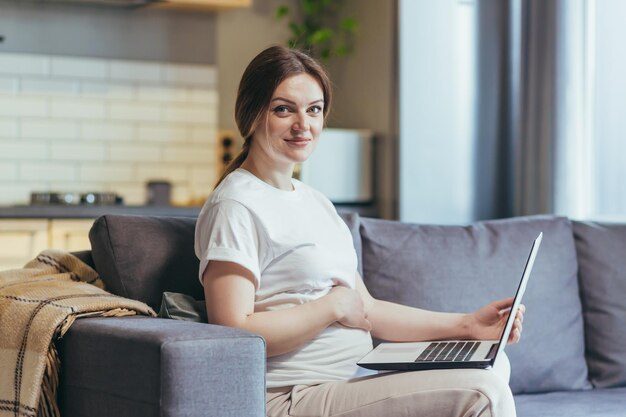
(298, 142)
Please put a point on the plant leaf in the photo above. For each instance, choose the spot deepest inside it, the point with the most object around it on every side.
(282, 11)
(349, 24)
(342, 50)
(310, 7)
(320, 36)
(297, 29)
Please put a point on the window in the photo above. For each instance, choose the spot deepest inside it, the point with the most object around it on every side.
(592, 181)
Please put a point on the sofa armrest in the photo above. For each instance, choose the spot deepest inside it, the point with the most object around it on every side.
(141, 366)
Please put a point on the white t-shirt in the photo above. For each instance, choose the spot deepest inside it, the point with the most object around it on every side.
(298, 248)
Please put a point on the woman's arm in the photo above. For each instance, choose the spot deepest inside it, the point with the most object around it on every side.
(229, 292)
(399, 323)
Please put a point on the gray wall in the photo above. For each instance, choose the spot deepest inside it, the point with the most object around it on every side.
(140, 33)
(241, 35)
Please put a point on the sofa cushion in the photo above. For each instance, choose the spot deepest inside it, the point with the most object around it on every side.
(601, 252)
(590, 403)
(140, 257)
(459, 269)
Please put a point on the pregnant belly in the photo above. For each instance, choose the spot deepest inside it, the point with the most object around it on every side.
(332, 355)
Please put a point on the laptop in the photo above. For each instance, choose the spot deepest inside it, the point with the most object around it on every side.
(449, 354)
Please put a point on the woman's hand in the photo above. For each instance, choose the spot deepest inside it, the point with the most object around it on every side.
(349, 308)
(487, 323)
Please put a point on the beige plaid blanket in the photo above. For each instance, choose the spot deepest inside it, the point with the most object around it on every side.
(38, 304)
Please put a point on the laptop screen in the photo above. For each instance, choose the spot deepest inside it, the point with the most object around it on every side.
(518, 296)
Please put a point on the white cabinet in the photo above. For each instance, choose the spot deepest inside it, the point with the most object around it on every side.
(22, 240)
(70, 235)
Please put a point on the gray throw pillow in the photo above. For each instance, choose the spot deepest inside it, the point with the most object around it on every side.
(182, 307)
(459, 269)
(602, 275)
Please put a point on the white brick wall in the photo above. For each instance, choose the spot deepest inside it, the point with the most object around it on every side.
(8, 128)
(107, 90)
(22, 106)
(44, 86)
(162, 132)
(174, 173)
(80, 124)
(8, 171)
(15, 150)
(77, 67)
(50, 129)
(10, 193)
(24, 64)
(70, 151)
(32, 171)
(134, 112)
(106, 172)
(8, 85)
(107, 131)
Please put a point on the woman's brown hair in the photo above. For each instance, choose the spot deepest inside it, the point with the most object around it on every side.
(258, 83)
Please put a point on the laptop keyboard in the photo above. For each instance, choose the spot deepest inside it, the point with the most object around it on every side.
(448, 352)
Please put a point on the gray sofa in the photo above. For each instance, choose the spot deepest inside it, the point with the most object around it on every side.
(570, 362)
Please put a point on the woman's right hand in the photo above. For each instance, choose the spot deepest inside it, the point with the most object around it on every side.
(349, 308)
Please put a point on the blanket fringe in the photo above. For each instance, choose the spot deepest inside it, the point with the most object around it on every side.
(65, 325)
(48, 406)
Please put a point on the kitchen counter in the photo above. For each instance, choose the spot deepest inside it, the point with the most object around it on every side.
(92, 212)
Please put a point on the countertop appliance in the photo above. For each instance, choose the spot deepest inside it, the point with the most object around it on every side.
(341, 166)
(43, 198)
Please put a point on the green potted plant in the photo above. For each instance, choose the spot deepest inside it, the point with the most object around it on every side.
(317, 28)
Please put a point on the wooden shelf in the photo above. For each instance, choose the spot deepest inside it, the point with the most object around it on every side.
(201, 5)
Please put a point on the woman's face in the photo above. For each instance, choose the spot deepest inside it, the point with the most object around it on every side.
(295, 119)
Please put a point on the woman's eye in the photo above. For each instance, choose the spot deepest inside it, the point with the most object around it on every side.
(315, 109)
(281, 109)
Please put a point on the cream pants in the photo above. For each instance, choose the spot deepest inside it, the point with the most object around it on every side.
(438, 393)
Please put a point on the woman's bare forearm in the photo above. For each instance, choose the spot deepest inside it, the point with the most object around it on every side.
(399, 323)
(288, 329)
(229, 292)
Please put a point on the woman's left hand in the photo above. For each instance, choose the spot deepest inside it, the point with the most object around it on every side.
(487, 323)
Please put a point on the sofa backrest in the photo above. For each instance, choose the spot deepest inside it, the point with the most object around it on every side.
(445, 268)
(461, 268)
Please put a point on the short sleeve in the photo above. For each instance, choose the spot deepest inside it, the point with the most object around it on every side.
(227, 231)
